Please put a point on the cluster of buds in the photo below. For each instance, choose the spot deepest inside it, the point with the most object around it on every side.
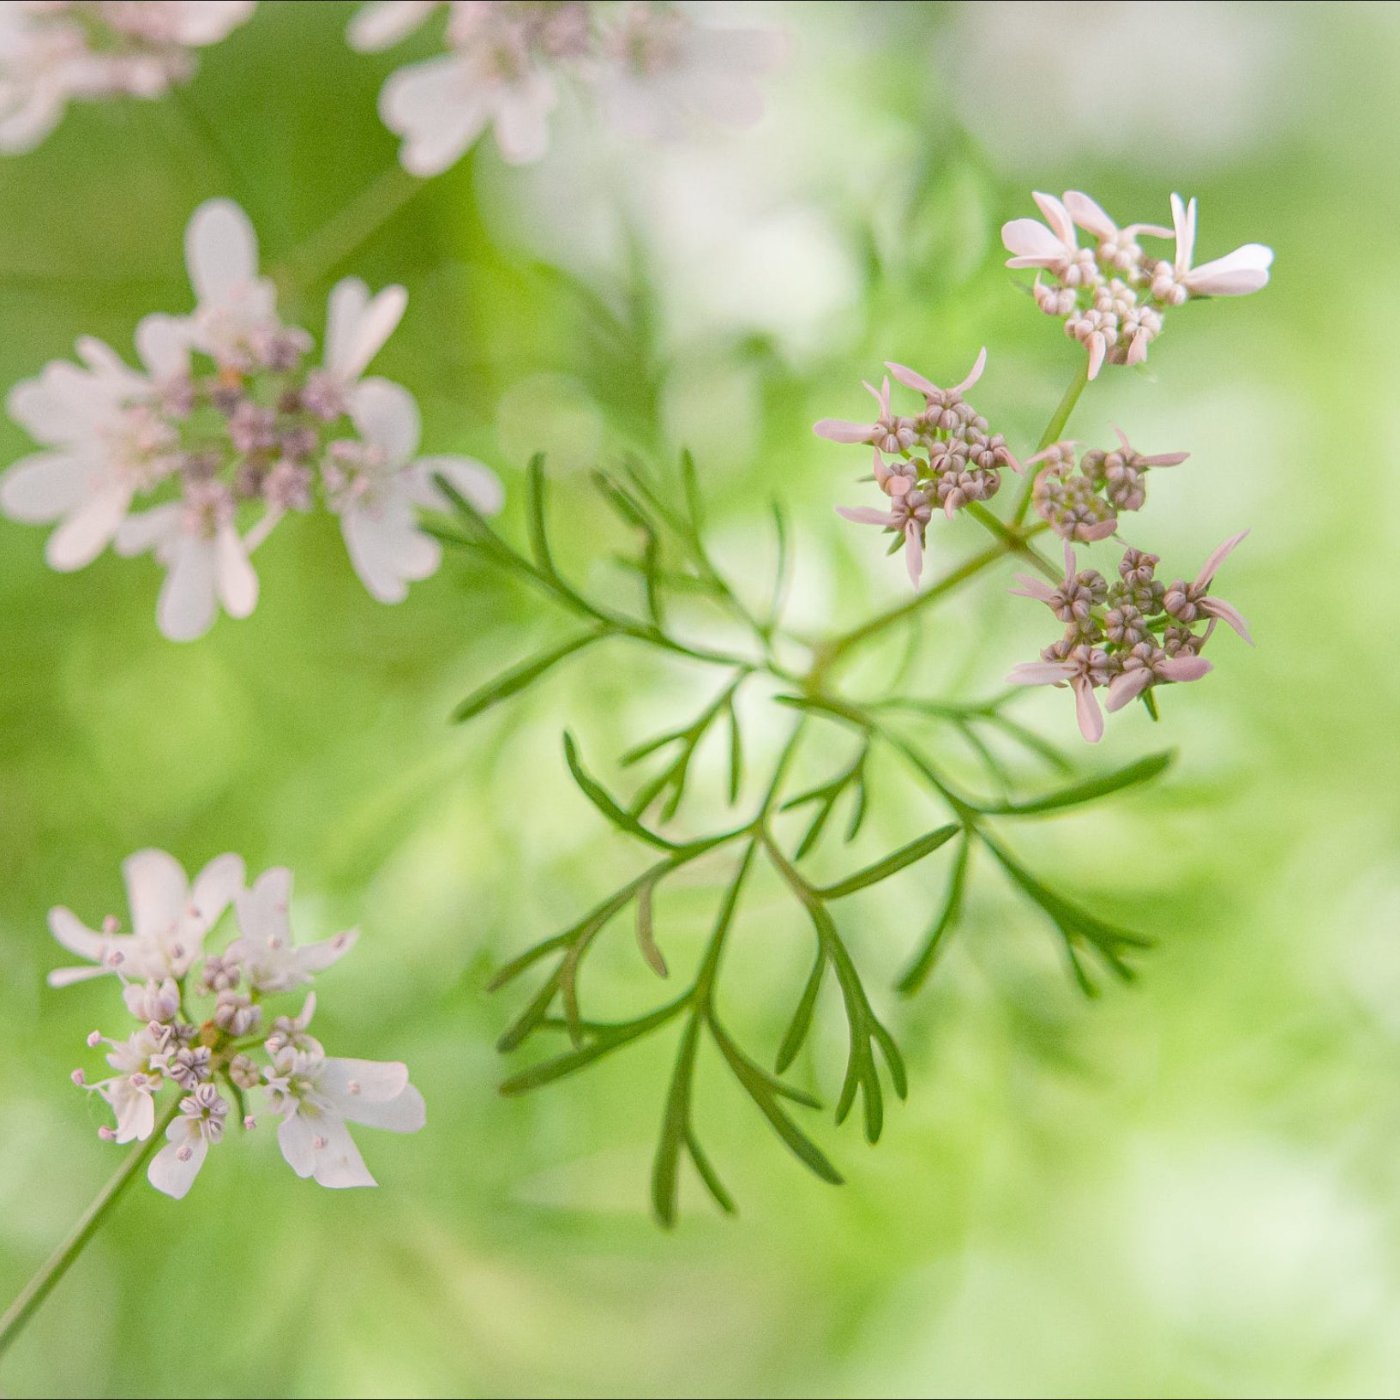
(205, 1033)
(942, 458)
(227, 429)
(653, 67)
(53, 52)
(1113, 295)
(1129, 635)
(1082, 501)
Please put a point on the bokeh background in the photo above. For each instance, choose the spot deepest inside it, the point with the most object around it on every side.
(1189, 1187)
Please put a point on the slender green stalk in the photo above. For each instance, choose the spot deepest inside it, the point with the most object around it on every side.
(1053, 431)
(46, 1279)
(352, 227)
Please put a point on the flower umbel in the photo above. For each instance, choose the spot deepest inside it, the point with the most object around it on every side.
(225, 431)
(222, 1055)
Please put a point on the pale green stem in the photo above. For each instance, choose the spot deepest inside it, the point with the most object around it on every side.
(44, 1281)
(1053, 431)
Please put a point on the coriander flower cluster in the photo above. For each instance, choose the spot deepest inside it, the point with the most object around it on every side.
(53, 52)
(1081, 500)
(1126, 636)
(209, 1044)
(227, 427)
(941, 458)
(1113, 295)
(653, 67)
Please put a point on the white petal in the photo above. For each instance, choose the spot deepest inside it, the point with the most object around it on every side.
(1235, 275)
(170, 1173)
(1032, 243)
(221, 250)
(405, 1113)
(317, 957)
(522, 119)
(357, 326)
(363, 1081)
(158, 892)
(44, 487)
(1089, 215)
(149, 530)
(387, 416)
(163, 342)
(472, 480)
(186, 606)
(215, 888)
(438, 108)
(67, 976)
(295, 1137)
(76, 936)
(236, 581)
(264, 911)
(381, 25)
(89, 529)
(338, 1163)
(387, 549)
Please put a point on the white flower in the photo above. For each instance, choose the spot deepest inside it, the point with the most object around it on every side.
(53, 52)
(377, 486)
(357, 325)
(235, 318)
(492, 79)
(196, 539)
(104, 437)
(265, 951)
(169, 920)
(666, 72)
(317, 1097)
(201, 1121)
(1236, 274)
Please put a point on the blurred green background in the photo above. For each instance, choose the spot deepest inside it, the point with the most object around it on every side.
(1190, 1187)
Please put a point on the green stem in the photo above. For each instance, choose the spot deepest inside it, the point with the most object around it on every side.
(46, 1279)
(1053, 431)
(352, 227)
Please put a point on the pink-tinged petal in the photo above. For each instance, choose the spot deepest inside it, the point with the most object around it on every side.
(1099, 530)
(867, 515)
(89, 529)
(1050, 451)
(1031, 243)
(405, 1113)
(363, 1081)
(880, 395)
(317, 957)
(913, 552)
(149, 530)
(221, 250)
(215, 888)
(335, 1160)
(264, 911)
(186, 607)
(1228, 614)
(295, 1136)
(911, 379)
(1071, 562)
(1086, 708)
(1035, 588)
(387, 415)
(1137, 348)
(236, 580)
(974, 374)
(44, 487)
(381, 25)
(1184, 230)
(474, 481)
(1098, 348)
(1151, 230)
(174, 1168)
(1166, 459)
(1057, 216)
(76, 936)
(1185, 668)
(158, 892)
(439, 107)
(1040, 673)
(387, 550)
(1218, 556)
(1089, 215)
(1235, 275)
(840, 430)
(1126, 687)
(67, 976)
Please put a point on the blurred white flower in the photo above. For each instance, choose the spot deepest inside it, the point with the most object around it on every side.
(169, 920)
(56, 51)
(376, 487)
(655, 68)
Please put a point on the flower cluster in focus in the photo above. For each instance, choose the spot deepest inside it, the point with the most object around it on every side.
(1084, 503)
(1113, 295)
(1128, 635)
(226, 429)
(207, 1045)
(652, 67)
(943, 458)
(53, 52)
